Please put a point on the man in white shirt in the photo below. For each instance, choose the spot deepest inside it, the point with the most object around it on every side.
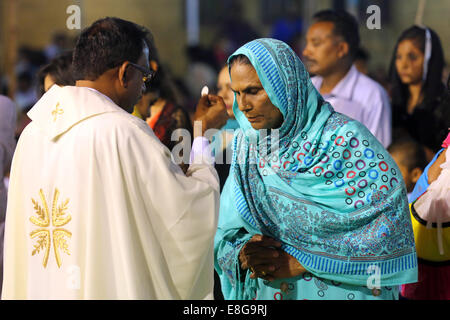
(331, 44)
(97, 208)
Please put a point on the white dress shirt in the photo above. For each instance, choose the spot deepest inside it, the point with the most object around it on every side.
(362, 99)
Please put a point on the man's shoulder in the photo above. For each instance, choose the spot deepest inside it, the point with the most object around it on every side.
(119, 121)
(125, 132)
(366, 86)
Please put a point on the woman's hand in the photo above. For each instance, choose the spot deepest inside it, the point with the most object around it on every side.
(286, 266)
(258, 254)
(261, 256)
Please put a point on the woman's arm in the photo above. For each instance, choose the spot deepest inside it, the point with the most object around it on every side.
(435, 170)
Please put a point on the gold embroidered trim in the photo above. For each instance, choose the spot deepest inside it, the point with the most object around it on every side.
(45, 232)
(56, 112)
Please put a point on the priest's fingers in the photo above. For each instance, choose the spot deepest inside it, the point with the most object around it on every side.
(217, 113)
(202, 107)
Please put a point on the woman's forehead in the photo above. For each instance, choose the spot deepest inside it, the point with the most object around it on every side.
(244, 75)
(241, 70)
(409, 44)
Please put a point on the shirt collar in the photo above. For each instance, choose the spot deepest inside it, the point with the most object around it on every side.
(61, 108)
(345, 88)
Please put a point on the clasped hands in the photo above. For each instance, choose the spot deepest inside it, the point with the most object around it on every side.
(263, 256)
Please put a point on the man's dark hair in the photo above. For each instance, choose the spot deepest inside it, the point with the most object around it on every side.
(362, 54)
(345, 25)
(106, 44)
(60, 69)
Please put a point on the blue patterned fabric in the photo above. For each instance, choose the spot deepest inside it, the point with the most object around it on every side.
(231, 124)
(324, 187)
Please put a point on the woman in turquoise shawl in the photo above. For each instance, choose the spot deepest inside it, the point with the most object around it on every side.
(320, 196)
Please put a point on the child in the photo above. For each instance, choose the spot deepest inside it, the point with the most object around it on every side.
(411, 160)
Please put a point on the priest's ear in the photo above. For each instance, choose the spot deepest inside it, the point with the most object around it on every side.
(123, 74)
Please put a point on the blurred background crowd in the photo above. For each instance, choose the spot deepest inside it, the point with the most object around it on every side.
(194, 37)
(406, 64)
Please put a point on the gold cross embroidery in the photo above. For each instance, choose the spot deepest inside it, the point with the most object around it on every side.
(44, 234)
(56, 112)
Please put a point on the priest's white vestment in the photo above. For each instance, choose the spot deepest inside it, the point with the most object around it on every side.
(97, 209)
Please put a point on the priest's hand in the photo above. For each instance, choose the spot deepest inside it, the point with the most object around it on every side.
(211, 113)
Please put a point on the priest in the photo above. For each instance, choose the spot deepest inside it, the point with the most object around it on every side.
(97, 206)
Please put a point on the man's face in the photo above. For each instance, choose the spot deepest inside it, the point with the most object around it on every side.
(323, 51)
(135, 84)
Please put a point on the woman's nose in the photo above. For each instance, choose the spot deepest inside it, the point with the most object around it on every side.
(243, 104)
(402, 64)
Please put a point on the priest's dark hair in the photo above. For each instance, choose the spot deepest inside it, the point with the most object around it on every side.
(106, 44)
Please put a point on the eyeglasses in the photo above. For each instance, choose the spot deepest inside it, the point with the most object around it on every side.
(148, 74)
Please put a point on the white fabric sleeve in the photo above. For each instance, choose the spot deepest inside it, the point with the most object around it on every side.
(183, 211)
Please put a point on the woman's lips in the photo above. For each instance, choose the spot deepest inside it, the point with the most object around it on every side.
(254, 118)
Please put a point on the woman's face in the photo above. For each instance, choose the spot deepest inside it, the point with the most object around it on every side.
(252, 99)
(409, 62)
(224, 87)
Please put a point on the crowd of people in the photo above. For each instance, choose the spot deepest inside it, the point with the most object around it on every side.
(317, 175)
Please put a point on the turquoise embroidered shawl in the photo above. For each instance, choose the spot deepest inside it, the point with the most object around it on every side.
(328, 190)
